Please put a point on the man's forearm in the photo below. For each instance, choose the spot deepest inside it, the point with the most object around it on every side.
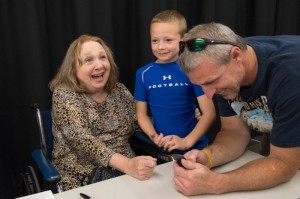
(258, 174)
(228, 146)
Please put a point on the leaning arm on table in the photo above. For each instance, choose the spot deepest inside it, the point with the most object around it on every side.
(278, 167)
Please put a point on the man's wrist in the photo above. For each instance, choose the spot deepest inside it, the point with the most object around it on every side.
(209, 157)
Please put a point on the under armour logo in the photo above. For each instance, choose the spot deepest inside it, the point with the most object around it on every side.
(167, 77)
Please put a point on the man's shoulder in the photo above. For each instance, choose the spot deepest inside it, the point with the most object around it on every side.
(275, 39)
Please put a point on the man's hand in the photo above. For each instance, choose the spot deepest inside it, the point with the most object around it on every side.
(193, 178)
(197, 156)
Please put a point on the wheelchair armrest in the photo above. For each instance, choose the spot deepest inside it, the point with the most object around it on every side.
(144, 146)
(45, 166)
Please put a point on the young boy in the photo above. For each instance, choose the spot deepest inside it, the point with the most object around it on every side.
(168, 92)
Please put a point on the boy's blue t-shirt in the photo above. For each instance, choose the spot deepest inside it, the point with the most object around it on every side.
(171, 98)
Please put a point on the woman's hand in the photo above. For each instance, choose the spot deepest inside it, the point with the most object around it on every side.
(141, 167)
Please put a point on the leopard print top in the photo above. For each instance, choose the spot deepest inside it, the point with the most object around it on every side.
(87, 133)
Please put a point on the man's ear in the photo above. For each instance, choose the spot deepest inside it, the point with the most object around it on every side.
(236, 54)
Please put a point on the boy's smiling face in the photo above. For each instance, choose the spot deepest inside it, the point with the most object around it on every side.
(165, 39)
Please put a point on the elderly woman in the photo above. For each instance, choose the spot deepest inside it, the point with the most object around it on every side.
(93, 116)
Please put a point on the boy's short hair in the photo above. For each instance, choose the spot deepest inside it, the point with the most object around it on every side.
(171, 16)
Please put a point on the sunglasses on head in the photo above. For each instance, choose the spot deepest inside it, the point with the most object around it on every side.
(198, 44)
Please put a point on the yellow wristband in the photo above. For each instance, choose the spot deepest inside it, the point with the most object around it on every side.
(209, 157)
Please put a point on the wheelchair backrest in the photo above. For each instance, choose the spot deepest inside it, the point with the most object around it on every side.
(47, 123)
(44, 122)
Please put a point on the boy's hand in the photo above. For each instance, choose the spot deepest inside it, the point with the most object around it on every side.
(198, 114)
(172, 142)
(157, 139)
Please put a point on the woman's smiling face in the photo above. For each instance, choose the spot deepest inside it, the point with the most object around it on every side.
(95, 69)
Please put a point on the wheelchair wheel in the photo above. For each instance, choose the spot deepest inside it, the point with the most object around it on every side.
(30, 181)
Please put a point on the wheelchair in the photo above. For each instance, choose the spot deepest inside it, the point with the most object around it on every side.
(47, 177)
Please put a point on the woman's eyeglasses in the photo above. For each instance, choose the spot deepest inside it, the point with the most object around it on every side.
(198, 44)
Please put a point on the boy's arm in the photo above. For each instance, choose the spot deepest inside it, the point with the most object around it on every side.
(208, 117)
(144, 120)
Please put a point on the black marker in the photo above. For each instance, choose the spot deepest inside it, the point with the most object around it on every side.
(85, 196)
(179, 161)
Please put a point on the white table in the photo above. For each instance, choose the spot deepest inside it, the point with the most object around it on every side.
(161, 186)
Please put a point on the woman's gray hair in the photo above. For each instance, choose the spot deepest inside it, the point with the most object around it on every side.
(221, 53)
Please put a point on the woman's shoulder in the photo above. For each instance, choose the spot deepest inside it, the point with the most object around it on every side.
(62, 92)
(121, 89)
(61, 89)
(58, 91)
